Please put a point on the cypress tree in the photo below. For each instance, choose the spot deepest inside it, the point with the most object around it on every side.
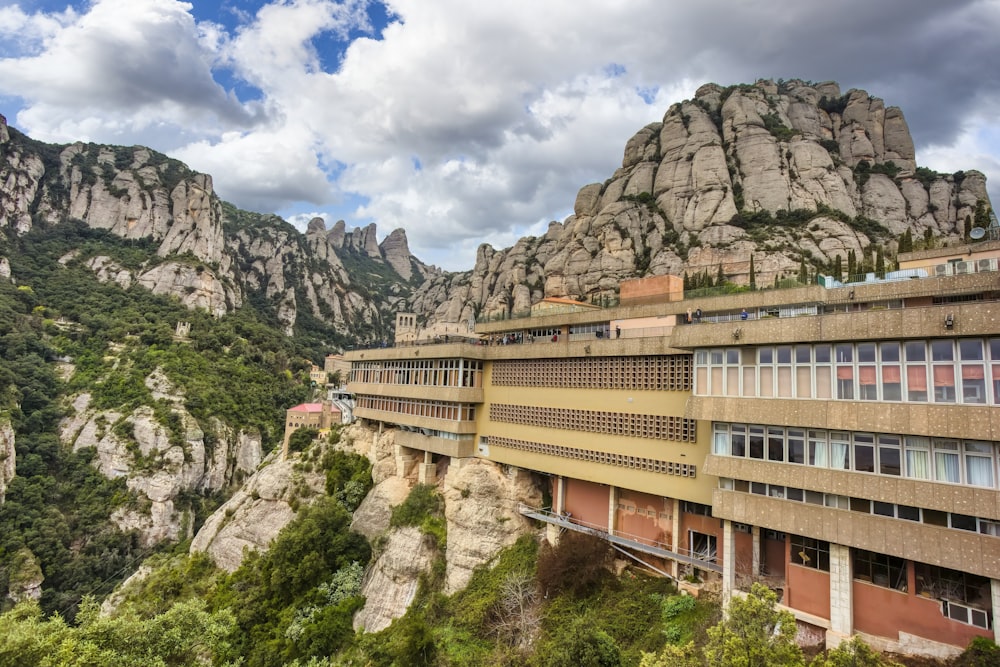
(852, 264)
(838, 268)
(753, 275)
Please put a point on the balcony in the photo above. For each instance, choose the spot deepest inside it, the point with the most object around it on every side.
(955, 549)
(458, 448)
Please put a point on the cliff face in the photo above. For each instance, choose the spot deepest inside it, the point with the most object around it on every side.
(7, 457)
(207, 254)
(780, 172)
(157, 468)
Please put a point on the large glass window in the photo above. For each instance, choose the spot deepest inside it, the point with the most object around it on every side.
(892, 384)
(880, 569)
(943, 370)
(845, 371)
(810, 553)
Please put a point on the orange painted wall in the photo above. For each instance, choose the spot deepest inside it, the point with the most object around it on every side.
(701, 524)
(773, 556)
(744, 552)
(587, 502)
(885, 612)
(808, 590)
(630, 522)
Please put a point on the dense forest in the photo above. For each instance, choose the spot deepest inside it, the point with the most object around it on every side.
(57, 509)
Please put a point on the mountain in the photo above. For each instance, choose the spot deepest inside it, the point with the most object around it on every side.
(787, 173)
(207, 253)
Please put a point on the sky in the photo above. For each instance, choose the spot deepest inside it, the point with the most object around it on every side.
(466, 122)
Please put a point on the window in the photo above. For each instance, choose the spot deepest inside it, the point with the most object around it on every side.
(845, 371)
(888, 455)
(946, 468)
(867, 383)
(880, 569)
(864, 452)
(810, 553)
(892, 387)
(978, 463)
(943, 370)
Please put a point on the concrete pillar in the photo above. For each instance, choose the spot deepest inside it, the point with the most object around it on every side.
(755, 535)
(675, 538)
(841, 596)
(404, 461)
(995, 590)
(612, 508)
(427, 470)
(558, 506)
(728, 561)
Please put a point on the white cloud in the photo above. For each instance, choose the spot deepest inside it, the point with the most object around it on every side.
(467, 122)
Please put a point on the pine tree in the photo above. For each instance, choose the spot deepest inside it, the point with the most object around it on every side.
(906, 241)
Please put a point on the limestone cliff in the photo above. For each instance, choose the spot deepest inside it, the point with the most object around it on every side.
(7, 456)
(160, 466)
(783, 172)
(480, 508)
(206, 253)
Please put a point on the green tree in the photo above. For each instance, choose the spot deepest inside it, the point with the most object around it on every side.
(754, 633)
(981, 652)
(906, 241)
(672, 656)
(852, 264)
(803, 272)
(853, 653)
(838, 268)
(879, 262)
(301, 438)
(753, 274)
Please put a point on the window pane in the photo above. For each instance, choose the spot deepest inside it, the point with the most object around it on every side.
(803, 381)
(946, 467)
(915, 351)
(973, 383)
(864, 458)
(888, 460)
(942, 350)
(979, 470)
(970, 349)
(796, 447)
(775, 445)
(822, 353)
(766, 381)
(890, 352)
(823, 381)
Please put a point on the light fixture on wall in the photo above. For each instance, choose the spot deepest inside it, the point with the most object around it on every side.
(737, 333)
(949, 321)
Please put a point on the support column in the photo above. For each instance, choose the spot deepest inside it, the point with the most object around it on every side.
(612, 508)
(675, 539)
(841, 596)
(755, 536)
(427, 471)
(558, 507)
(995, 590)
(728, 561)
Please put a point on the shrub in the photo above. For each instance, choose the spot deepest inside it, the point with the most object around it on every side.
(576, 565)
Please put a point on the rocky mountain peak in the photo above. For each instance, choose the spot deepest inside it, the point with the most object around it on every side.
(396, 252)
(785, 172)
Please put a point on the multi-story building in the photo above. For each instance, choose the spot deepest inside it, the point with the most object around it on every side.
(837, 441)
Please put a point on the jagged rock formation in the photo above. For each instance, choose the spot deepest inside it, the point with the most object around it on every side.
(480, 507)
(722, 177)
(7, 457)
(207, 253)
(391, 582)
(257, 512)
(157, 466)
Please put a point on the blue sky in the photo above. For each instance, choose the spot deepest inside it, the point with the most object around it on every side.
(465, 122)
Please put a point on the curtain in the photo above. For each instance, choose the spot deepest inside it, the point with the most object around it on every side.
(817, 454)
(838, 455)
(866, 374)
(947, 467)
(916, 378)
(721, 444)
(918, 464)
(979, 470)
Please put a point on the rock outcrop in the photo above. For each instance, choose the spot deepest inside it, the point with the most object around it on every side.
(257, 512)
(7, 457)
(159, 466)
(783, 172)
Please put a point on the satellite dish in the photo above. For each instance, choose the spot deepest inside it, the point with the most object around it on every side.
(977, 233)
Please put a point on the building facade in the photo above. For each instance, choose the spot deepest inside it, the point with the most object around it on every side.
(838, 441)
